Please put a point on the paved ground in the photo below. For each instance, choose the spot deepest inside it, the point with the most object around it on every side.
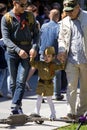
(29, 101)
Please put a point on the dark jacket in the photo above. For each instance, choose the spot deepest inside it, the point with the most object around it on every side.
(19, 35)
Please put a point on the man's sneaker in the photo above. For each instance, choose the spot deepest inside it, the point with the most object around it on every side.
(18, 111)
(1, 94)
(59, 98)
(13, 112)
(71, 116)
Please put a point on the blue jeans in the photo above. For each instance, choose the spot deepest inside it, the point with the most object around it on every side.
(8, 83)
(3, 80)
(18, 70)
(57, 83)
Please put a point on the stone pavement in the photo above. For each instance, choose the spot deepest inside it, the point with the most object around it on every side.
(29, 101)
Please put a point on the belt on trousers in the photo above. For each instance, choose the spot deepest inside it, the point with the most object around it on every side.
(23, 42)
(45, 81)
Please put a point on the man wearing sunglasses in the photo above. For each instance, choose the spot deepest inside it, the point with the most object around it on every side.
(20, 35)
(73, 50)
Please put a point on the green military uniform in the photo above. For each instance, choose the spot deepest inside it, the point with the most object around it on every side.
(46, 72)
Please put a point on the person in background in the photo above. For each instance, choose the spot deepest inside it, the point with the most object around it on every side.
(33, 8)
(60, 78)
(40, 5)
(46, 71)
(45, 15)
(63, 73)
(3, 10)
(3, 63)
(56, 5)
(73, 52)
(3, 69)
(48, 37)
(20, 35)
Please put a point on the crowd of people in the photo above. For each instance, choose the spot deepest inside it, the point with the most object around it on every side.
(34, 31)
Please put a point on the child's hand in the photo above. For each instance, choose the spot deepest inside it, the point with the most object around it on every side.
(32, 53)
(62, 57)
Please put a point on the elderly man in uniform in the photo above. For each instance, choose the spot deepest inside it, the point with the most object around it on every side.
(73, 49)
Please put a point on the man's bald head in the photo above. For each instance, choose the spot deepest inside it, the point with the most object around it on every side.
(54, 15)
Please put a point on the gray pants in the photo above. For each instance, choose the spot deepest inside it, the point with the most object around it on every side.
(74, 73)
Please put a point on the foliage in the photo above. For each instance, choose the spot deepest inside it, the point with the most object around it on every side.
(73, 127)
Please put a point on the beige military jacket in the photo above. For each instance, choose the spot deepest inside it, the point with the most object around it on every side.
(65, 32)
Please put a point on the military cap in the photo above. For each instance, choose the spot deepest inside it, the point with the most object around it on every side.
(49, 50)
(69, 5)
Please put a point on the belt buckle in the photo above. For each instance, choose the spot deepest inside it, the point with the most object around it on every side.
(47, 81)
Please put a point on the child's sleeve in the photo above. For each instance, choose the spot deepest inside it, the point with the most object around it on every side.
(33, 63)
(60, 66)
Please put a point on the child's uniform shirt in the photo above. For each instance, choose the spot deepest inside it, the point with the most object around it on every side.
(46, 72)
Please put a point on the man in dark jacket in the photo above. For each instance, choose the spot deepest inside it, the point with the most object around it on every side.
(3, 64)
(20, 36)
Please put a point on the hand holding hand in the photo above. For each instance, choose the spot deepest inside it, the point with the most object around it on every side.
(62, 57)
(33, 53)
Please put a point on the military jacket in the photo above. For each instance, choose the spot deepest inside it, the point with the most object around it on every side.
(46, 72)
(19, 32)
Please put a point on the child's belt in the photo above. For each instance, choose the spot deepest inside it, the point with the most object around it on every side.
(45, 81)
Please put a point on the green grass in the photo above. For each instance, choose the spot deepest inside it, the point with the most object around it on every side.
(73, 127)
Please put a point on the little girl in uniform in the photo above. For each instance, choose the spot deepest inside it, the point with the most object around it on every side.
(46, 72)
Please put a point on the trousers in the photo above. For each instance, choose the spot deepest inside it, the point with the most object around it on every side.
(18, 71)
(75, 73)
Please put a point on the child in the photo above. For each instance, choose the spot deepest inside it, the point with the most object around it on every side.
(46, 72)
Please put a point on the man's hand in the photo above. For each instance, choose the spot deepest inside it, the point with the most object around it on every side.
(32, 53)
(62, 57)
(23, 54)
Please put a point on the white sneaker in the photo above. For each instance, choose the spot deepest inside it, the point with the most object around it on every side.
(1, 94)
(9, 96)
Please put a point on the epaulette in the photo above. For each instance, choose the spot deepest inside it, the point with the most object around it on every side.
(8, 18)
